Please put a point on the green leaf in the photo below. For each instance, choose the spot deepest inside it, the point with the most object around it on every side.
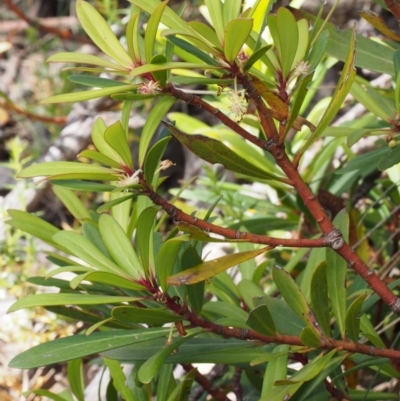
(46, 393)
(236, 34)
(195, 292)
(133, 314)
(99, 157)
(81, 247)
(166, 382)
(342, 89)
(32, 225)
(144, 237)
(248, 289)
(153, 158)
(255, 57)
(261, 321)
(365, 163)
(353, 315)
(157, 113)
(119, 246)
(75, 378)
(215, 151)
(96, 82)
(392, 159)
(83, 185)
(214, 8)
(288, 36)
(167, 257)
(116, 137)
(106, 278)
(62, 169)
(206, 32)
(81, 58)
(182, 391)
(151, 30)
(87, 95)
(292, 294)
(319, 297)
(286, 321)
(118, 379)
(197, 350)
(77, 346)
(110, 204)
(101, 34)
(276, 369)
(132, 35)
(67, 299)
(305, 374)
(72, 203)
(337, 273)
(371, 100)
(310, 338)
(209, 269)
(150, 368)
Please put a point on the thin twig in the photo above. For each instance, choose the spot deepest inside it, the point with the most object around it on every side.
(64, 34)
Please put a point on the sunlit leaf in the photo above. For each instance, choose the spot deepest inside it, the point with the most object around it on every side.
(236, 33)
(72, 203)
(209, 269)
(116, 137)
(75, 378)
(31, 301)
(119, 379)
(101, 34)
(151, 30)
(157, 113)
(81, 58)
(132, 40)
(214, 8)
(114, 202)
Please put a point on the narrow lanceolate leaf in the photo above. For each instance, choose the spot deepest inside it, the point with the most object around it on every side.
(215, 151)
(261, 321)
(167, 257)
(292, 294)
(307, 373)
(319, 297)
(152, 123)
(150, 368)
(353, 316)
(207, 270)
(133, 314)
(67, 299)
(75, 378)
(77, 346)
(81, 58)
(101, 34)
(81, 247)
(132, 40)
(379, 24)
(87, 95)
(72, 203)
(145, 232)
(119, 379)
(60, 169)
(342, 89)
(105, 278)
(119, 246)
(337, 273)
(99, 157)
(33, 225)
(116, 137)
(215, 9)
(236, 34)
(151, 30)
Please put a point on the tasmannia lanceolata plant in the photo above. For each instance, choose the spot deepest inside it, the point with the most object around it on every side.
(142, 286)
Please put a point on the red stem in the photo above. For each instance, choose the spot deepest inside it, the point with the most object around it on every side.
(333, 237)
